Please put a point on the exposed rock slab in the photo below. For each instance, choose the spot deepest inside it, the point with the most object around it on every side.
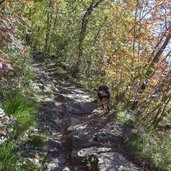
(108, 159)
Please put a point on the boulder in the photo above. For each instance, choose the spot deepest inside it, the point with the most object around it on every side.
(106, 159)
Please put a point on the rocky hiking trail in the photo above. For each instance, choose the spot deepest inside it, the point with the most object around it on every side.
(77, 136)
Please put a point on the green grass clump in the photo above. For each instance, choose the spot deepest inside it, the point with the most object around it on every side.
(21, 107)
(24, 110)
(8, 160)
(37, 140)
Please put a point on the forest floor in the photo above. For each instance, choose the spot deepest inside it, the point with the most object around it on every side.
(77, 135)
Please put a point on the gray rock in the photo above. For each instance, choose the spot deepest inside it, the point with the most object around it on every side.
(74, 120)
(34, 161)
(1, 112)
(114, 161)
(54, 143)
(83, 136)
(66, 169)
(5, 124)
(108, 160)
(2, 141)
(78, 156)
(51, 166)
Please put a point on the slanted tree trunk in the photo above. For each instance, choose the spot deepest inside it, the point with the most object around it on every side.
(2, 1)
(156, 58)
(49, 25)
(85, 20)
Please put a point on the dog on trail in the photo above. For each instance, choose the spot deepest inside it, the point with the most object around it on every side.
(103, 96)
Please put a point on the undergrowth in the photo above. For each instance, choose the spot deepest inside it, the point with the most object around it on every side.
(23, 109)
(149, 146)
(154, 148)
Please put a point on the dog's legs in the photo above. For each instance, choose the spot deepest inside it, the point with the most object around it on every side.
(101, 104)
(107, 104)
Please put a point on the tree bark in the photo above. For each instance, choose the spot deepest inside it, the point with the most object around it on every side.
(85, 20)
(156, 57)
(49, 25)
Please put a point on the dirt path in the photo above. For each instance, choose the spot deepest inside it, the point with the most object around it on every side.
(78, 136)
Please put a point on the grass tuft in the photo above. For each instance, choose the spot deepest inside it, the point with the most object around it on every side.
(24, 110)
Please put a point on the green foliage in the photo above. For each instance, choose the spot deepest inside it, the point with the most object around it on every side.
(12, 160)
(37, 140)
(156, 145)
(24, 110)
(8, 161)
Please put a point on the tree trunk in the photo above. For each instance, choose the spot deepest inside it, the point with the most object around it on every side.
(89, 10)
(49, 24)
(156, 57)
